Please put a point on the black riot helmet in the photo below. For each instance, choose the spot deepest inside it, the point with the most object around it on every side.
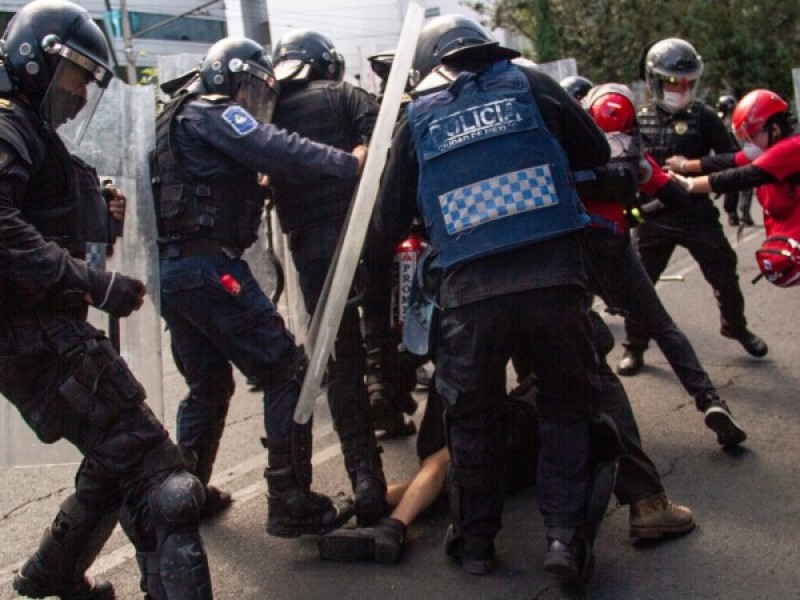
(725, 105)
(576, 86)
(673, 61)
(57, 58)
(454, 38)
(240, 69)
(302, 54)
(381, 63)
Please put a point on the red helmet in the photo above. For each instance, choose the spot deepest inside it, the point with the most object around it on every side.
(612, 111)
(754, 110)
(779, 260)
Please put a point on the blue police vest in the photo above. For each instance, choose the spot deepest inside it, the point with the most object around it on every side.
(492, 177)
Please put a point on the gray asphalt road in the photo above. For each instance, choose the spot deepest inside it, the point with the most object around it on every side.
(745, 502)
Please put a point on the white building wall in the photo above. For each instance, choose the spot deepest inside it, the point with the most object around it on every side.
(358, 28)
(146, 50)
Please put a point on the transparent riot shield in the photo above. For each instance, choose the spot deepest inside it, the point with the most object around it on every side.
(117, 143)
(559, 69)
(291, 304)
(172, 66)
(796, 80)
(328, 314)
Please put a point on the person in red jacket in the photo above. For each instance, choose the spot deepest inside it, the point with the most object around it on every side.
(617, 273)
(769, 161)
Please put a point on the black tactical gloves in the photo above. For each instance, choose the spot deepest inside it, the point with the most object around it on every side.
(114, 293)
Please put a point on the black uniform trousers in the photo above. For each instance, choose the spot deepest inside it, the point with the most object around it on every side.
(706, 242)
(312, 251)
(473, 345)
(43, 366)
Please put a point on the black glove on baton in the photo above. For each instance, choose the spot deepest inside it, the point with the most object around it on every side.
(114, 293)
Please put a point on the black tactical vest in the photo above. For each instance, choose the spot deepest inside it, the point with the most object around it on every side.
(225, 209)
(314, 111)
(63, 199)
(666, 134)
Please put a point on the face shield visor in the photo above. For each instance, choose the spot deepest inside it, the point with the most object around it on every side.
(74, 92)
(257, 90)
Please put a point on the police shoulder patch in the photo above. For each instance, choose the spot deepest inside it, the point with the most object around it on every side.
(241, 121)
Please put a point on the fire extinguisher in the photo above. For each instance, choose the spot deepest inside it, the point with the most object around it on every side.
(406, 257)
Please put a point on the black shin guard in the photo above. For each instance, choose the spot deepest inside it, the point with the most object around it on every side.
(177, 568)
(67, 549)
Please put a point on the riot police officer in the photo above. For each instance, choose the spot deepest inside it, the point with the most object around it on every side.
(317, 104)
(674, 123)
(60, 372)
(391, 375)
(212, 141)
(499, 290)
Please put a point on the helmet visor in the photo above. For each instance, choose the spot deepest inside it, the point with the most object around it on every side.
(257, 92)
(73, 94)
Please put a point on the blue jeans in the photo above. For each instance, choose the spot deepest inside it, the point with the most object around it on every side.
(211, 329)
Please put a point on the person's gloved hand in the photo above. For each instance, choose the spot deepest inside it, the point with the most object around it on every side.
(114, 293)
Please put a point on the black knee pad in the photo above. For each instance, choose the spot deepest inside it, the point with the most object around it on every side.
(178, 568)
(177, 500)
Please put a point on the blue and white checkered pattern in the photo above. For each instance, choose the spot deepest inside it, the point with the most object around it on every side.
(498, 197)
(96, 255)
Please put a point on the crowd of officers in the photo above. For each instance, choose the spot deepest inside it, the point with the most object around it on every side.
(526, 217)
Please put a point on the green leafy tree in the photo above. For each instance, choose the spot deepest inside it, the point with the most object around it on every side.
(744, 43)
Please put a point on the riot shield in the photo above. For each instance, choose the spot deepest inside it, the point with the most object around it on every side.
(172, 66)
(117, 143)
(559, 69)
(291, 305)
(796, 80)
(328, 314)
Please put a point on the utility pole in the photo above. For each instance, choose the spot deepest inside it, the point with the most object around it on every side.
(127, 40)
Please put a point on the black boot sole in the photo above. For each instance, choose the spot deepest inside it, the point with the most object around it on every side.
(348, 546)
(30, 588)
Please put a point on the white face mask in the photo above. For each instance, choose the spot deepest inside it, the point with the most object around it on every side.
(751, 151)
(675, 101)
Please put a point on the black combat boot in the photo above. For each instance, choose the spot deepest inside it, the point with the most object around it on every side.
(753, 344)
(382, 543)
(201, 455)
(67, 549)
(200, 462)
(476, 554)
(569, 557)
(294, 509)
(631, 362)
(362, 459)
